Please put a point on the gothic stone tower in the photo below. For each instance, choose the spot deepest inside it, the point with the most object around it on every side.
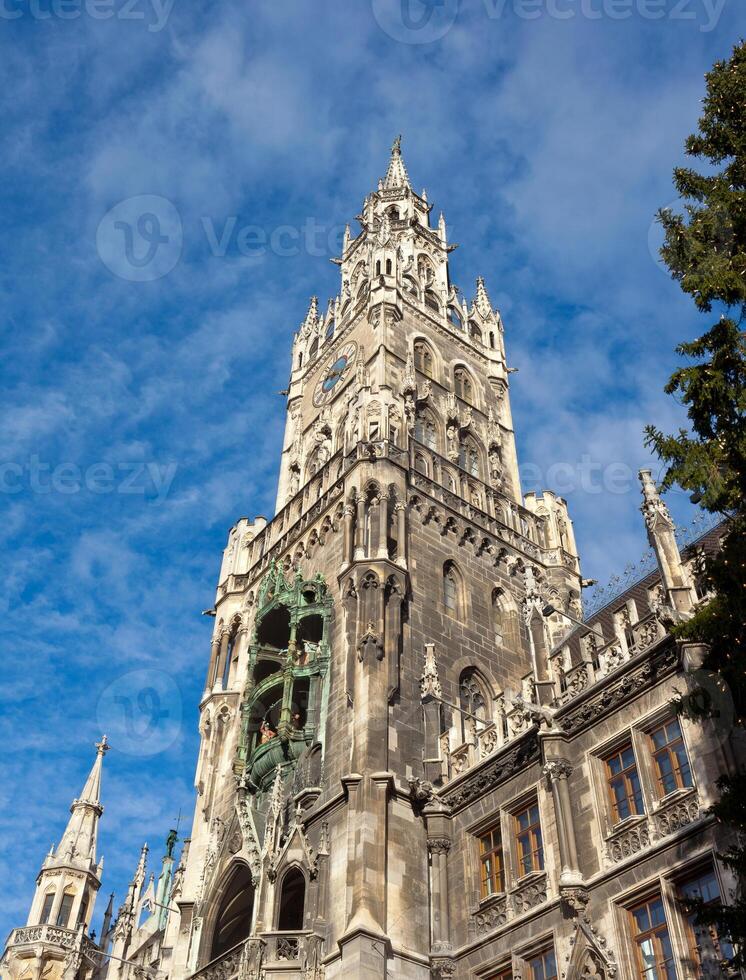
(401, 538)
(54, 944)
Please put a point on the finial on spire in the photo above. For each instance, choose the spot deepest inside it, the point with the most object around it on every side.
(396, 175)
(103, 746)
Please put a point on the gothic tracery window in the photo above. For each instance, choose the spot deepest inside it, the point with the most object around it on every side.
(473, 701)
(468, 457)
(431, 300)
(454, 318)
(423, 358)
(474, 332)
(464, 385)
(425, 430)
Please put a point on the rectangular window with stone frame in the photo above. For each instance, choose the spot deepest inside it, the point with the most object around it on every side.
(651, 941)
(529, 842)
(491, 862)
(670, 758)
(706, 947)
(543, 965)
(504, 973)
(623, 783)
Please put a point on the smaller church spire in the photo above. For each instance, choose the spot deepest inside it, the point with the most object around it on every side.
(78, 843)
(396, 175)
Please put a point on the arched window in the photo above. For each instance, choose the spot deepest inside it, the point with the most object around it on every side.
(393, 212)
(329, 331)
(464, 385)
(473, 701)
(492, 339)
(452, 590)
(431, 300)
(378, 267)
(292, 901)
(314, 349)
(388, 267)
(506, 620)
(300, 360)
(233, 923)
(420, 464)
(474, 332)
(410, 286)
(425, 430)
(468, 457)
(454, 318)
(423, 358)
(66, 907)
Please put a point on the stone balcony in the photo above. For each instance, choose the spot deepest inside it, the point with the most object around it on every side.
(51, 936)
(671, 814)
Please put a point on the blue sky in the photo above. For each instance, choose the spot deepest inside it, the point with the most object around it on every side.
(140, 418)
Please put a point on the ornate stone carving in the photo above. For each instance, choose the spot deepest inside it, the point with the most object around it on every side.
(672, 816)
(491, 916)
(442, 967)
(429, 682)
(249, 835)
(518, 756)
(557, 769)
(653, 509)
(629, 841)
(530, 895)
(438, 845)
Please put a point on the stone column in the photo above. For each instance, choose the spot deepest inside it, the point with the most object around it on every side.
(214, 653)
(558, 772)
(438, 848)
(220, 667)
(383, 522)
(349, 514)
(400, 510)
(359, 553)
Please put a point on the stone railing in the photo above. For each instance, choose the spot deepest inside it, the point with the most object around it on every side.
(498, 910)
(224, 967)
(51, 935)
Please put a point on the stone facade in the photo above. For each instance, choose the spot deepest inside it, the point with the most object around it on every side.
(409, 736)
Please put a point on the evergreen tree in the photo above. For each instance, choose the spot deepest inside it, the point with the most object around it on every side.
(705, 250)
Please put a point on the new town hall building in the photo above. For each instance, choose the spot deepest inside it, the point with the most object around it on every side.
(416, 759)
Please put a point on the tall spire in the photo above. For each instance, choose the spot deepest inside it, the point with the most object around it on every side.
(396, 175)
(482, 300)
(78, 843)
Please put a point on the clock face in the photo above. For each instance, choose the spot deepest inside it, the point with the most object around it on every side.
(335, 372)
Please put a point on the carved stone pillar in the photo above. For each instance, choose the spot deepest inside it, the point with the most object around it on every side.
(401, 533)
(383, 526)
(359, 553)
(438, 848)
(349, 515)
(225, 638)
(214, 654)
(558, 772)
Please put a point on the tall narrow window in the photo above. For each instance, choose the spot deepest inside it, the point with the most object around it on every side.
(423, 358)
(66, 906)
(451, 589)
(474, 332)
(455, 318)
(543, 966)
(652, 943)
(46, 909)
(705, 945)
(292, 901)
(671, 759)
(623, 781)
(314, 349)
(529, 843)
(468, 458)
(473, 702)
(431, 300)
(233, 922)
(463, 385)
(491, 862)
(425, 431)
